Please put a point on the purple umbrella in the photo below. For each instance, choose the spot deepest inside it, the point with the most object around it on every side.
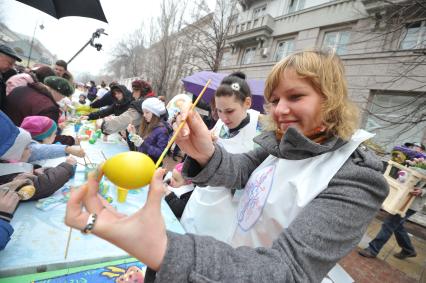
(196, 82)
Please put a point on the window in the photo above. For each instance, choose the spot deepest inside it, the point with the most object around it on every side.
(336, 40)
(259, 12)
(396, 118)
(284, 48)
(248, 56)
(415, 36)
(226, 59)
(296, 5)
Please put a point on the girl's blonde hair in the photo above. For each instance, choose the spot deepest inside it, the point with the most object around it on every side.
(325, 72)
(146, 128)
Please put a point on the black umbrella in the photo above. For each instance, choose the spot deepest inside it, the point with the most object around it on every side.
(65, 8)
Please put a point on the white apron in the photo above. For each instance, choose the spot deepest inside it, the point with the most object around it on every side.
(279, 189)
(211, 210)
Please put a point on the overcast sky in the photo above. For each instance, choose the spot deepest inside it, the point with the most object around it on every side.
(64, 37)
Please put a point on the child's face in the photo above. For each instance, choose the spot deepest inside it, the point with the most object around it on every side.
(147, 115)
(49, 140)
(177, 179)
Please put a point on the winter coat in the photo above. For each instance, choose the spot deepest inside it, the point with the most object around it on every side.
(45, 183)
(91, 94)
(26, 101)
(107, 100)
(155, 143)
(133, 115)
(326, 230)
(9, 132)
(6, 232)
(116, 108)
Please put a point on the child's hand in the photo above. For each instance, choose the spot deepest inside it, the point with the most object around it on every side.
(131, 129)
(71, 160)
(84, 117)
(75, 150)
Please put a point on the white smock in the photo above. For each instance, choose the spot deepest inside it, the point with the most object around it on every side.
(279, 189)
(211, 210)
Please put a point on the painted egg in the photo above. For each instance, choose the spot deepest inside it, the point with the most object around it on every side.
(129, 170)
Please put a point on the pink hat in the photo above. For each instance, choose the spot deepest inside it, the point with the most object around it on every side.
(18, 80)
(40, 127)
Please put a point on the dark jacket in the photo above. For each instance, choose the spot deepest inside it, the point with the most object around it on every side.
(6, 232)
(51, 180)
(91, 94)
(155, 143)
(26, 101)
(176, 204)
(116, 108)
(107, 99)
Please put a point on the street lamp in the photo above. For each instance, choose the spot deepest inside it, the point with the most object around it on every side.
(32, 42)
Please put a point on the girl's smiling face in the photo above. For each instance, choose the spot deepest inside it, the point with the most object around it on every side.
(295, 103)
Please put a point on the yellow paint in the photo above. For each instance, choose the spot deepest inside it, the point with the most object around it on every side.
(110, 274)
(129, 170)
(116, 269)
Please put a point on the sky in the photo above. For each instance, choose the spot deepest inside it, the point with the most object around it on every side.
(64, 37)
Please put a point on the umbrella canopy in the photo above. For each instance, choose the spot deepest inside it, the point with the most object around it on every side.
(196, 82)
(65, 8)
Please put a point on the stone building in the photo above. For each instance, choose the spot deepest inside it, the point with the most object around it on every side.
(382, 44)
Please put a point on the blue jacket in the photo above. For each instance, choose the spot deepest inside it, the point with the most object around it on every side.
(8, 131)
(6, 231)
(155, 143)
(46, 151)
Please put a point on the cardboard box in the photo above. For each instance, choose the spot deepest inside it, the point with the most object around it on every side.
(401, 180)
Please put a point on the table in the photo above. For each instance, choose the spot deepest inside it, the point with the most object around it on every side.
(40, 237)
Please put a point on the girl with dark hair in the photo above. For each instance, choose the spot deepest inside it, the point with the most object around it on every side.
(234, 131)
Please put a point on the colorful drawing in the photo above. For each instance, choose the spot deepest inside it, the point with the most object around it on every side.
(254, 197)
(130, 272)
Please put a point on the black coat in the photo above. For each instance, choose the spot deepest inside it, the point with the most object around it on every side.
(116, 108)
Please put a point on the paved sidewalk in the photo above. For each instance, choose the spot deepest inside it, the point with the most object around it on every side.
(386, 268)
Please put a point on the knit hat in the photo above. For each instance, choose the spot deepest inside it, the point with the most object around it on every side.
(9, 132)
(59, 84)
(40, 127)
(154, 105)
(18, 80)
(19, 145)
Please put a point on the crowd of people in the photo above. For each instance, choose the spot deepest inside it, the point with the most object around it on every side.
(274, 197)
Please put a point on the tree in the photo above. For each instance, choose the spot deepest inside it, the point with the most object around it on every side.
(210, 48)
(128, 55)
(397, 105)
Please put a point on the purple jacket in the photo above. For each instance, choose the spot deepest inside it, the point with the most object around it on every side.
(155, 143)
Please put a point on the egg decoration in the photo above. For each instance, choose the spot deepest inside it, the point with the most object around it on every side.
(129, 170)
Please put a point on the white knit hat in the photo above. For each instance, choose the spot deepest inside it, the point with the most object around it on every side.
(154, 105)
(17, 149)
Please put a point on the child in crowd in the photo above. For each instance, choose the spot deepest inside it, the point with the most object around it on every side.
(82, 99)
(179, 191)
(14, 155)
(43, 132)
(153, 134)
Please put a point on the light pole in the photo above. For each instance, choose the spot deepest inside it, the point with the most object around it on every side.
(32, 42)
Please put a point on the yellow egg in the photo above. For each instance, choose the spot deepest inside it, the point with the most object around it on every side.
(129, 170)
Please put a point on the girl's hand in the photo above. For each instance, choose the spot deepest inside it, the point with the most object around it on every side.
(142, 235)
(131, 129)
(195, 139)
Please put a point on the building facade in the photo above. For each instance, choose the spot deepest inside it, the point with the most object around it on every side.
(381, 43)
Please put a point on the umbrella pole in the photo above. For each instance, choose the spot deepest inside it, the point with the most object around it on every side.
(172, 140)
